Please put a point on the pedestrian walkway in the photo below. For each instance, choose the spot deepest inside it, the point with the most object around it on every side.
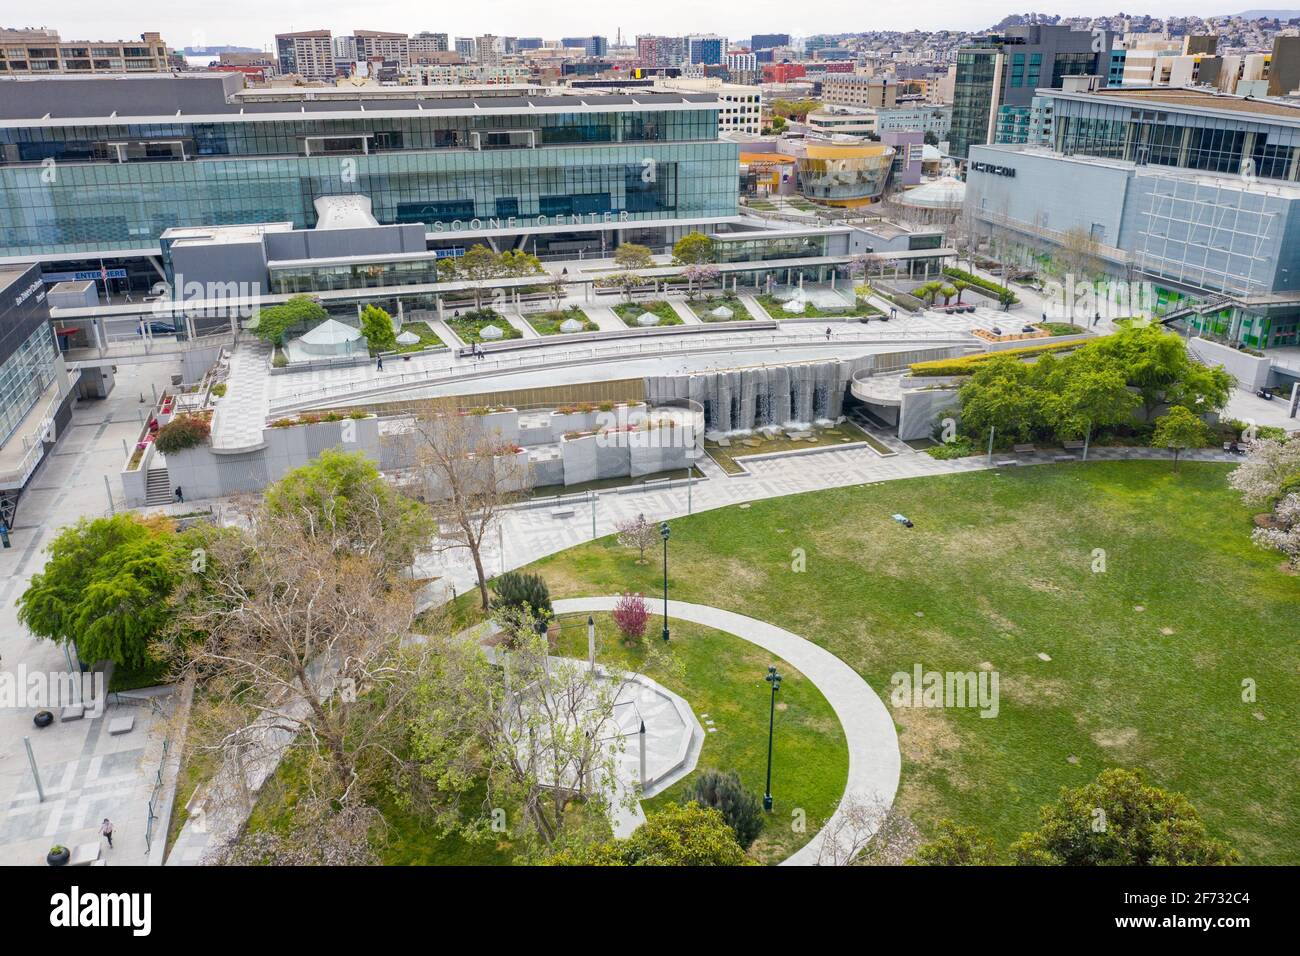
(874, 759)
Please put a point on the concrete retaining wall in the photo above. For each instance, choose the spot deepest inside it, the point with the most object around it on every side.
(1250, 371)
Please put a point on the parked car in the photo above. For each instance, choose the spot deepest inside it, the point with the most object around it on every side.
(157, 328)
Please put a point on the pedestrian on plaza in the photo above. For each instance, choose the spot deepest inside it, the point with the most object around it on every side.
(828, 333)
(1096, 318)
(380, 366)
(106, 830)
(180, 495)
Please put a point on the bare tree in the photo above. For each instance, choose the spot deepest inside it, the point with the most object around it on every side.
(469, 475)
(319, 834)
(868, 832)
(296, 645)
(541, 731)
(637, 533)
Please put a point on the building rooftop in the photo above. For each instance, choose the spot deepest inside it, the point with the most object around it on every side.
(1186, 98)
(106, 99)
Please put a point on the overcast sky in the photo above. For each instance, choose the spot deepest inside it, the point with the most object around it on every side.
(255, 22)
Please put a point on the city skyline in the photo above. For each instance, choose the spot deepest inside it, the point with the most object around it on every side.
(251, 24)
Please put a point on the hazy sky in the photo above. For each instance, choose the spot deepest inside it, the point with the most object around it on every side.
(255, 22)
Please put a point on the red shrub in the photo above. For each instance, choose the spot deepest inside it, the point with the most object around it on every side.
(631, 615)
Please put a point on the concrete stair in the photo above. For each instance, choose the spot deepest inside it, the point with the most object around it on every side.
(158, 488)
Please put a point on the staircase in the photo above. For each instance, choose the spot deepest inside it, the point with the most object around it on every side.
(157, 488)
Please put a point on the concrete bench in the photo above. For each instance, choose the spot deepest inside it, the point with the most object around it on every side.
(1023, 449)
(121, 725)
(73, 712)
(1064, 458)
(84, 855)
(563, 512)
(1005, 462)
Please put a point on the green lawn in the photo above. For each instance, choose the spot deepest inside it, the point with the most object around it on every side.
(724, 678)
(703, 307)
(629, 311)
(548, 323)
(1148, 658)
(467, 328)
(776, 310)
(428, 338)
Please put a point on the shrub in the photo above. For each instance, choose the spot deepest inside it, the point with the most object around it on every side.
(184, 431)
(999, 291)
(515, 589)
(959, 447)
(967, 364)
(219, 389)
(631, 615)
(725, 793)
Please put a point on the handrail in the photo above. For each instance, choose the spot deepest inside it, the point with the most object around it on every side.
(439, 376)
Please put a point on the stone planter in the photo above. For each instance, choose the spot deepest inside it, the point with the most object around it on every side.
(43, 718)
(58, 856)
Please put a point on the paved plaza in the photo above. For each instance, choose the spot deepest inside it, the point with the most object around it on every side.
(87, 773)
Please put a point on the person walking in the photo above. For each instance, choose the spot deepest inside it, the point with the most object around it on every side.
(379, 366)
(106, 830)
(180, 495)
(828, 333)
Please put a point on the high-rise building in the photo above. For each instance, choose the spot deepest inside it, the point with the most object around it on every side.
(310, 54)
(488, 49)
(1002, 71)
(528, 43)
(654, 51)
(591, 46)
(708, 49)
(379, 45)
(424, 42)
(465, 46)
(766, 41)
(41, 52)
(855, 89)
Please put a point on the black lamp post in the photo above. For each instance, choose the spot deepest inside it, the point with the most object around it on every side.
(774, 679)
(663, 531)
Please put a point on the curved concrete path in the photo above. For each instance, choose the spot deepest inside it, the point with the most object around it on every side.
(874, 758)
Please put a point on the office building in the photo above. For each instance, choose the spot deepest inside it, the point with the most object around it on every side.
(591, 46)
(1194, 191)
(707, 49)
(465, 46)
(855, 89)
(428, 43)
(1004, 70)
(378, 45)
(309, 54)
(766, 41)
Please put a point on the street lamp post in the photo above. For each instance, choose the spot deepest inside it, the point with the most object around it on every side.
(774, 679)
(663, 531)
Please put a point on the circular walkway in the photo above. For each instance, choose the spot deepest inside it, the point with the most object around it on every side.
(874, 759)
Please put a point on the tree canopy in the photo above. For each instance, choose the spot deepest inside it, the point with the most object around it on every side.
(299, 312)
(107, 586)
(686, 835)
(377, 327)
(694, 248)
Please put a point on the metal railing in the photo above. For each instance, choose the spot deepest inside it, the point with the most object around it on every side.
(154, 794)
(622, 351)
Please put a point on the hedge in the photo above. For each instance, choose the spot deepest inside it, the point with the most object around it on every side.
(979, 282)
(966, 364)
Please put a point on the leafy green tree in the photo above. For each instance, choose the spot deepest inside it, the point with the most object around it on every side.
(517, 263)
(516, 589)
(183, 431)
(1002, 395)
(956, 845)
(688, 835)
(377, 327)
(302, 311)
(1178, 431)
(631, 256)
(959, 287)
(694, 248)
(725, 793)
(947, 291)
(340, 496)
(107, 586)
(478, 265)
(1156, 363)
(1086, 393)
(1121, 820)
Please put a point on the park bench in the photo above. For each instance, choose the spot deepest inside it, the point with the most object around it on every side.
(563, 512)
(1024, 449)
(1005, 462)
(84, 855)
(1072, 445)
(1064, 458)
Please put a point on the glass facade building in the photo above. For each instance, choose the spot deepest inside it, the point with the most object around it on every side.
(1181, 128)
(98, 186)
